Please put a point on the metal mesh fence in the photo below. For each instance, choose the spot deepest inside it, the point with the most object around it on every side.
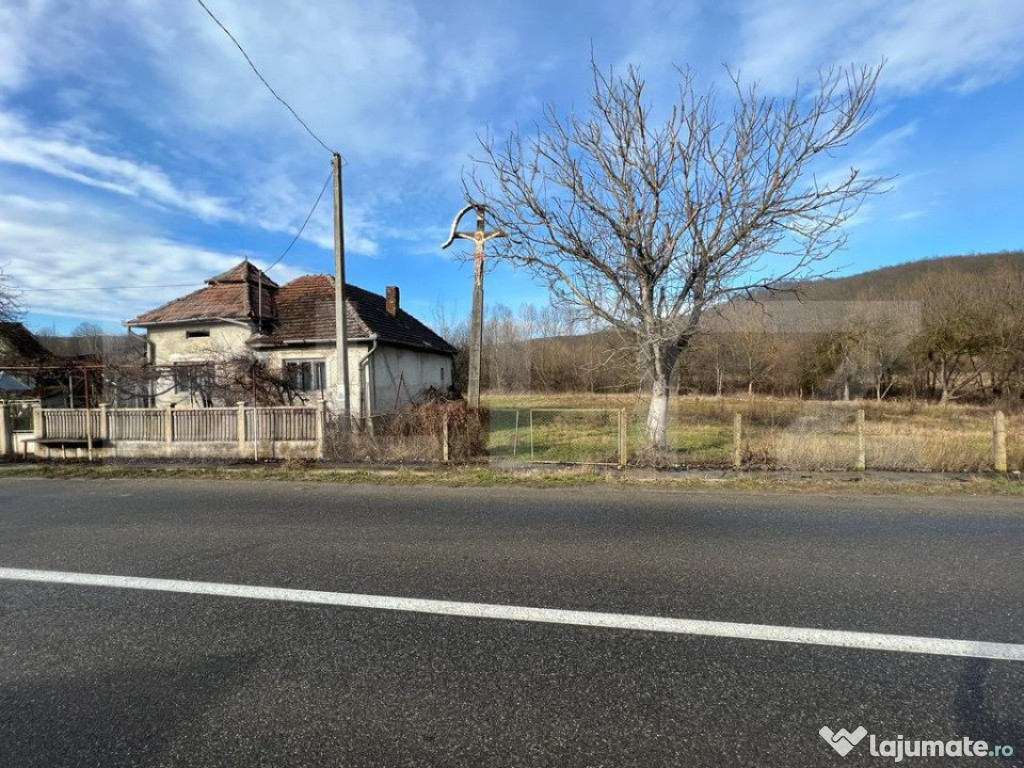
(504, 433)
(819, 435)
(574, 435)
(396, 437)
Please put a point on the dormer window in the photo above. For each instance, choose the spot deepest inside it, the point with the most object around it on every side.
(203, 333)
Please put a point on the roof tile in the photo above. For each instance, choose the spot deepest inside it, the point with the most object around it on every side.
(301, 310)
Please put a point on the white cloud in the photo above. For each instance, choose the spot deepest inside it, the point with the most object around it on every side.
(273, 201)
(927, 43)
(374, 80)
(113, 269)
(147, 106)
(38, 37)
(55, 153)
(388, 86)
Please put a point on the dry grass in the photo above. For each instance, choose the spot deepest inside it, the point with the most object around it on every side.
(413, 434)
(742, 482)
(791, 434)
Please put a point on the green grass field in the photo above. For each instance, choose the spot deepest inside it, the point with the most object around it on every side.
(790, 434)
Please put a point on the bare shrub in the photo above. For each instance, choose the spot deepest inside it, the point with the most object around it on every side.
(414, 433)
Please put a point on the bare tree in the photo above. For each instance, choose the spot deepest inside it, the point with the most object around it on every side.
(506, 351)
(10, 306)
(645, 223)
(455, 332)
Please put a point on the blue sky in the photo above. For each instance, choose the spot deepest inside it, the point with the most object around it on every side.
(140, 155)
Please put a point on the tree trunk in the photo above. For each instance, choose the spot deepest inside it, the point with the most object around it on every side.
(661, 360)
(657, 415)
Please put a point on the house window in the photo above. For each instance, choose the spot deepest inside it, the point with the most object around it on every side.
(198, 334)
(306, 375)
(193, 378)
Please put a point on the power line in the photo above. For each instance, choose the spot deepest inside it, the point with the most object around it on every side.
(263, 79)
(284, 253)
(304, 223)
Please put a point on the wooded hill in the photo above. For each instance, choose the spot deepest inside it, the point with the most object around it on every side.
(944, 328)
(893, 281)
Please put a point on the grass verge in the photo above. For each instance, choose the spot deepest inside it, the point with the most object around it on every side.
(454, 477)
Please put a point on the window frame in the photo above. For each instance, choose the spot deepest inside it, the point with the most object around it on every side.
(312, 374)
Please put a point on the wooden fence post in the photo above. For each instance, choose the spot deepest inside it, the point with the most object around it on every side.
(999, 441)
(862, 458)
(168, 424)
(241, 427)
(737, 439)
(446, 445)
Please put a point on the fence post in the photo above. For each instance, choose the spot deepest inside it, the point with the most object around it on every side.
(737, 439)
(241, 427)
(320, 416)
(446, 446)
(999, 441)
(38, 425)
(623, 441)
(862, 458)
(168, 424)
(104, 422)
(5, 430)
(531, 434)
(515, 436)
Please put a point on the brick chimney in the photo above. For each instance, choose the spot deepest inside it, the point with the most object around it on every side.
(391, 302)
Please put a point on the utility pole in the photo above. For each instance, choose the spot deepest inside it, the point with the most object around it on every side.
(340, 320)
(476, 331)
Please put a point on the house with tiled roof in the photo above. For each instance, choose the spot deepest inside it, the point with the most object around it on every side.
(19, 346)
(392, 356)
(55, 380)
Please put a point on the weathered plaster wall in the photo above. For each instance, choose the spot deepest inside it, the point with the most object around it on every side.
(391, 368)
(171, 345)
(325, 353)
(410, 371)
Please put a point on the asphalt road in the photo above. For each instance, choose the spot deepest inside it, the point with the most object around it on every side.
(98, 676)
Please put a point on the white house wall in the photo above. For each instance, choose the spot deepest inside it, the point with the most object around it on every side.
(276, 359)
(411, 370)
(171, 346)
(391, 367)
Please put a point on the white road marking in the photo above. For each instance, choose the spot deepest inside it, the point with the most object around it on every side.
(869, 641)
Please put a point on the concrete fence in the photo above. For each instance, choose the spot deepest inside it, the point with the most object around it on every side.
(277, 432)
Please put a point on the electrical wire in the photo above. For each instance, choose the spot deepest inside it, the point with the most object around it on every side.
(263, 79)
(262, 272)
(304, 223)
